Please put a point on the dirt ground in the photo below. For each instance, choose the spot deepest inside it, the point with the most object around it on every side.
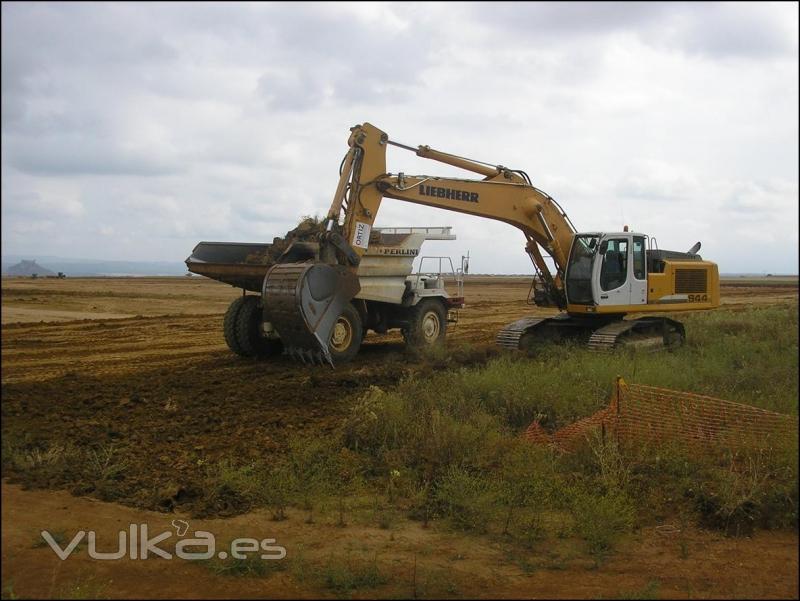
(692, 564)
(141, 363)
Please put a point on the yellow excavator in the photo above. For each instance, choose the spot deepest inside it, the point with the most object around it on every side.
(600, 276)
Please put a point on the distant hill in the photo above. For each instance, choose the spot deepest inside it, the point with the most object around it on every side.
(29, 268)
(99, 267)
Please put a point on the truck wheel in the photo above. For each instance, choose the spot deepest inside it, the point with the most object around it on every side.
(249, 336)
(427, 325)
(229, 325)
(347, 335)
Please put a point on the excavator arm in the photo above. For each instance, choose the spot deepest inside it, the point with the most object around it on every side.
(503, 195)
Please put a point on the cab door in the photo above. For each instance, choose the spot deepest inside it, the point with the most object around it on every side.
(638, 271)
(611, 277)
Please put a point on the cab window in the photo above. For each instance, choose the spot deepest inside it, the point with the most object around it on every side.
(639, 258)
(579, 270)
(614, 272)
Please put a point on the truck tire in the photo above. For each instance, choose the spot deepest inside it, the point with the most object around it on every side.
(347, 336)
(229, 325)
(249, 336)
(427, 324)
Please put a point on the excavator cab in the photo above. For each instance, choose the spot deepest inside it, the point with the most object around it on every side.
(616, 272)
(607, 270)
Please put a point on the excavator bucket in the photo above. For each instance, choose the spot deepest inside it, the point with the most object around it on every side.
(303, 301)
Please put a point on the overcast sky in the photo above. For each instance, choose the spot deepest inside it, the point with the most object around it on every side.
(133, 131)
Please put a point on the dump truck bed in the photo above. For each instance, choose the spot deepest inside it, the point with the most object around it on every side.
(240, 264)
(388, 261)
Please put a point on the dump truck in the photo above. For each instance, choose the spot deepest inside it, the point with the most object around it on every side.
(391, 295)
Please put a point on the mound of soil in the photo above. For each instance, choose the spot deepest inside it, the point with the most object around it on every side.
(306, 231)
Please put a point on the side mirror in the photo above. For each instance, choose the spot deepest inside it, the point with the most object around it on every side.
(603, 247)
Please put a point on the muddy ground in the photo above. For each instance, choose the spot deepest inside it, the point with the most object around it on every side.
(140, 365)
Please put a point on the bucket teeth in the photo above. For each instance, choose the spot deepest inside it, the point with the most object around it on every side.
(309, 356)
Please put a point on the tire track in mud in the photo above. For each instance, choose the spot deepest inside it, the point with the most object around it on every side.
(34, 352)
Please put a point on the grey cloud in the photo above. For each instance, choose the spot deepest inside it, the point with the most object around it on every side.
(760, 197)
(734, 30)
(76, 155)
(654, 180)
(755, 30)
(107, 34)
(31, 204)
(295, 91)
(555, 19)
(358, 62)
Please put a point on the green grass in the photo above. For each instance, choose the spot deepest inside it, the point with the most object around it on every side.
(455, 434)
(345, 575)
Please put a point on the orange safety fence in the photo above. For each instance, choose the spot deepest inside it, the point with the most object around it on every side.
(637, 412)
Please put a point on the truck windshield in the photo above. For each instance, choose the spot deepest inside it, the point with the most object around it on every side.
(579, 269)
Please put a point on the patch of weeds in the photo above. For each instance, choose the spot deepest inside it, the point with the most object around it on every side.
(530, 530)
(524, 564)
(386, 517)
(382, 513)
(311, 460)
(345, 575)
(466, 499)
(299, 567)
(601, 520)
(104, 463)
(752, 487)
(345, 474)
(53, 464)
(523, 484)
(278, 484)
(103, 469)
(229, 488)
